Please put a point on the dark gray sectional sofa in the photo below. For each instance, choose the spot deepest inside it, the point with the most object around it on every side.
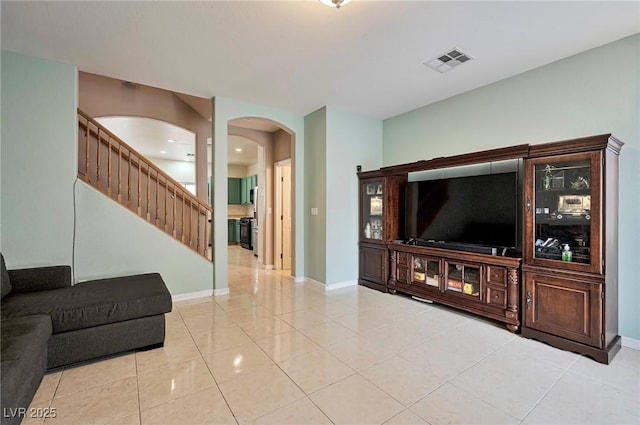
(46, 323)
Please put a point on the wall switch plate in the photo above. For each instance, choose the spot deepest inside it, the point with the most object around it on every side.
(314, 211)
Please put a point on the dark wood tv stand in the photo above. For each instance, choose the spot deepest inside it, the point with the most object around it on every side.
(564, 288)
(486, 285)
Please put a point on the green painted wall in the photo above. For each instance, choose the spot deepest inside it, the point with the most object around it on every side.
(594, 92)
(351, 140)
(39, 99)
(315, 194)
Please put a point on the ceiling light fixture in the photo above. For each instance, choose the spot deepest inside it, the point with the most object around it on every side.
(163, 151)
(238, 150)
(335, 3)
(171, 141)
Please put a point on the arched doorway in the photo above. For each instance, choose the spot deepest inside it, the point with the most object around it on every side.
(276, 144)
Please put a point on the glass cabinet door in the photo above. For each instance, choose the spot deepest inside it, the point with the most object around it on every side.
(565, 211)
(372, 210)
(463, 278)
(425, 271)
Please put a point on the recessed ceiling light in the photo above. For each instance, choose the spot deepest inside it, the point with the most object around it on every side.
(163, 151)
(171, 141)
(449, 60)
(238, 150)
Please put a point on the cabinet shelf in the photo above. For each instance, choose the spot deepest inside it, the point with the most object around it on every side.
(571, 221)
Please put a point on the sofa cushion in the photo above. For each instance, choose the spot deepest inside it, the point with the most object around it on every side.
(5, 283)
(23, 355)
(94, 303)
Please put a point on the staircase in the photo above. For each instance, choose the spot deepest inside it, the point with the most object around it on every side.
(117, 170)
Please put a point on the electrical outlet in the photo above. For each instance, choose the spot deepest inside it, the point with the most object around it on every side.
(314, 211)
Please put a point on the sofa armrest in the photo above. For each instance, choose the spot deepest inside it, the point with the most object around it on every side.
(40, 278)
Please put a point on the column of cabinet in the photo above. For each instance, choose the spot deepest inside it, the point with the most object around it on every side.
(570, 246)
(380, 213)
(239, 189)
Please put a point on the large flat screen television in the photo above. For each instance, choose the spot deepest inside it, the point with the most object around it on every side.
(477, 210)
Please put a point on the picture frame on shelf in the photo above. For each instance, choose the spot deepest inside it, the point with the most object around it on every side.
(375, 205)
(379, 190)
(371, 189)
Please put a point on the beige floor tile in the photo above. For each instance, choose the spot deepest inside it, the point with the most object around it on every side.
(129, 420)
(315, 370)
(474, 339)
(267, 326)
(47, 387)
(406, 417)
(176, 330)
(174, 381)
(172, 352)
(354, 400)
(328, 333)
(361, 323)
(299, 412)
(220, 339)
(304, 319)
(206, 307)
(252, 314)
(257, 393)
(227, 364)
(577, 399)
(402, 380)
(286, 345)
(439, 361)
(206, 407)
(88, 375)
(359, 354)
(541, 351)
(207, 322)
(450, 404)
(97, 405)
(623, 372)
(513, 384)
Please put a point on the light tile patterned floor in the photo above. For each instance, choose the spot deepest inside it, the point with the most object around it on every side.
(277, 352)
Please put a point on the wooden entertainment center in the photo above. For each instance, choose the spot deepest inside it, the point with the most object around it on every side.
(560, 288)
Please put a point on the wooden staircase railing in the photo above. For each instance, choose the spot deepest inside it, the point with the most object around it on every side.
(117, 170)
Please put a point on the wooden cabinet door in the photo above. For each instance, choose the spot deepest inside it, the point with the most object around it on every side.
(373, 265)
(567, 308)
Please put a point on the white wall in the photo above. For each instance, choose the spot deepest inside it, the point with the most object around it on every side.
(594, 92)
(182, 171)
(352, 140)
(111, 241)
(39, 137)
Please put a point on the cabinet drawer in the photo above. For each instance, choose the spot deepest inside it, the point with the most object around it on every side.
(496, 296)
(403, 258)
(497, 276)
(402, 274)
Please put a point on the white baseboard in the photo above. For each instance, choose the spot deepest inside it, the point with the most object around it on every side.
(299, 279)
(329, 287)
(221, 291)
(634, 344)
(191, 295)
(338, 285)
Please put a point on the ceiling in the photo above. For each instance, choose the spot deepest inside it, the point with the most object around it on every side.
(151, 137)
(366, 57)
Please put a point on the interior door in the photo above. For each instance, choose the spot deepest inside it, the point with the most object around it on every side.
(286, 217)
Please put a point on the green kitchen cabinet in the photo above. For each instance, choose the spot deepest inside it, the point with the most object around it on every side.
(244, 190)
(234, 190)
(233, 230)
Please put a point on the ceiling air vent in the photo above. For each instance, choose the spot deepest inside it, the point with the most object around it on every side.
(449, 60)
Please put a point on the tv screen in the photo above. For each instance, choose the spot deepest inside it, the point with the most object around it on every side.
(479, 210)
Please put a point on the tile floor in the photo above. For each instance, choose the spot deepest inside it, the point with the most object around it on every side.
(277, 352)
